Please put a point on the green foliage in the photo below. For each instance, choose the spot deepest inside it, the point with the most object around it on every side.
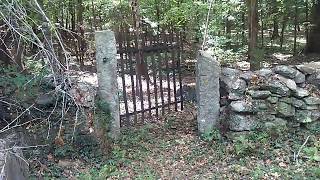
(185, 14)
(147, 174)
(133, 137)
(243, 146)
(213, 135)
(257, 173)
(259, 136)
(64, 151)
(315, 172)
(313, 152)
(102, 115)
(118, 14)
(23, 85)
(227, 57)
(170, 122)
(13, 78)
(252, 142)
(87, 147)
(118, 157)
(55, 171)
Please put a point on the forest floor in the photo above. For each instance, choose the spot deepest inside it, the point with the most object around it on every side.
(172, 149)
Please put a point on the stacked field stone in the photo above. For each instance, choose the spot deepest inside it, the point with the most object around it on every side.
(270, 97)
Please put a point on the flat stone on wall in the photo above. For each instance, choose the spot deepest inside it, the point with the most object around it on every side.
(107, 77)
(271, 97)
(207, 89)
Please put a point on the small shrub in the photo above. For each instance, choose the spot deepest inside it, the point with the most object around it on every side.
(312, 153)
(110, 168)
(257, 173)
(259, 137)
(213, 135)
(170, 122)
(64, 151)
(107, 171)
(315, 172)
(15, 82)
(243, 146)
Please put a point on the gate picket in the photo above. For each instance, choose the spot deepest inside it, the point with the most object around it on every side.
(152, 64)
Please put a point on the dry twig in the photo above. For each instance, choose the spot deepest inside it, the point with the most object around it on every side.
(296, 155)
(14, 15)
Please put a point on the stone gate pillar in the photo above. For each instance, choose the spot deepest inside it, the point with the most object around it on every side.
(106, 57)
(207, 89)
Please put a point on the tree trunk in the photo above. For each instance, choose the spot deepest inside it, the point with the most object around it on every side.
(244, 40)
(100, 19)
(80, 36)
(5, 56)
(313, 45)
(67, 19)
(307, 20)
(18, 51)
(253, 29)
(275, 33)
(228, 32)
(73, 17)
(283, 28)
(61, 5)
(140, 66)
(275, 10)
(295, 28)
(93, 15)
(262, 24)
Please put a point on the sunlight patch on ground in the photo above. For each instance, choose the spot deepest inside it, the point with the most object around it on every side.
(299, 40)
(282, 57)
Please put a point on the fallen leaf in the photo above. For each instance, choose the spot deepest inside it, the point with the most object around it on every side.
(50, 157)
(59, 141)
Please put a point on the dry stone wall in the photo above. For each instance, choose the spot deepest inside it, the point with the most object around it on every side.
(276, 97)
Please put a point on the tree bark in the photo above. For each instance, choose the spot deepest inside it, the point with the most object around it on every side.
(73, 16)
(262, 24)
(306, 23)
(253, 28)
(93, 15)
(228, 32)
(275, 33)
(80, 36)
(244, 40)
(313, 45)
(283, 28)
(275, 10)
(295, 28)
(5, 55)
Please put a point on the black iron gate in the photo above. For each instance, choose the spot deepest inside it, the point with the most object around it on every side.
(149, 74)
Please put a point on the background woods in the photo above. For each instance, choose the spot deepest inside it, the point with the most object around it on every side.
(275, 25)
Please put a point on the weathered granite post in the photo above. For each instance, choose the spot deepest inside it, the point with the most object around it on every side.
(106, 53)
(207, 89)
(12, 163)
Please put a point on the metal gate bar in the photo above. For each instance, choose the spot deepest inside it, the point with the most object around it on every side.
(159, 85)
